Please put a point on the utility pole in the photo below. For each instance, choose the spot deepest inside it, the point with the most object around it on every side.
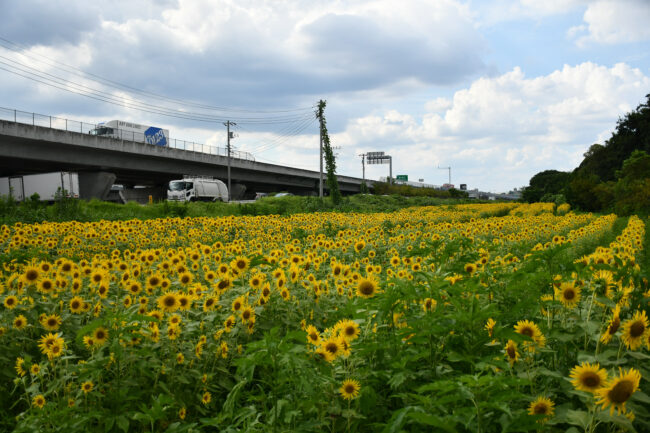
(390, 170)
(230, 135)
(447, 168)
(320, 185)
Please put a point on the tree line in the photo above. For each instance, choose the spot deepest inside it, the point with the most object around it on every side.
(612, 177)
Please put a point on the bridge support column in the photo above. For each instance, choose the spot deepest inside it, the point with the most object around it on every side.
(95, 184)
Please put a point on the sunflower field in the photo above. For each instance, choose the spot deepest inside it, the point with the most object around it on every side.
(465, 318)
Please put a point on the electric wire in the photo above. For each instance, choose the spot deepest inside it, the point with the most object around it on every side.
(71, 69)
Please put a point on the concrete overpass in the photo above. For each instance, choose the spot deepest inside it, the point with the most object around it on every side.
(27, 149)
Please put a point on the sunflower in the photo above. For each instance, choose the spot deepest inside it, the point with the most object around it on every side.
(31, 274)
(35, 369)
(38, 401)
(247, 314)
(51, 322)
(238, 303)
(367, 287)
(313, 336)
(588, 377)
(19, 367)
(168, 302)
(489, 326)
(350, 389)
(332, 346)
(87, 386)
(240, 264)
(470, 268)
(182, 412)
(20, 322)
(429, 304)
(133, 287)
(76, 305)
(56, 349)
(45, 285)
(224, 284)
(512, 355)
(185, 278)
(542, 406)
(206, 398)
(229, 323)
(100, 335)
(613, 325)
(349, 329)
(11, 301)
(618, 390)
(568, 294)
(180, 358)
(322, 353)
(184, 302)
(530, 329)
(634, 330)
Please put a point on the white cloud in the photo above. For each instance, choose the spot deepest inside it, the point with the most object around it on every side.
(614, 22)
(500, 131)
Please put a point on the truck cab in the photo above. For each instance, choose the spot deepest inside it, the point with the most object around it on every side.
(197, 189)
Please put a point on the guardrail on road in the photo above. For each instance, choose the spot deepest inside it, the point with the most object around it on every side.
(59, 123)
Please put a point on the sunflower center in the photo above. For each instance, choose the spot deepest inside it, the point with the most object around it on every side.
(349, 331)
(169, 301)
(366, 288)
(100, 335)
(31, 275)
(349, 389)
(590, 380)
(511, 352)
(614, 326)
(540, 409)
(637, 329)
(51, 322)
(621, 392)
(569, 294)
(332, 348)
(528, 332)
(74, 305)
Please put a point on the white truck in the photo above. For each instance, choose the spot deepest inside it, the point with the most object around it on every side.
(46, 185)
(197, 189)
(132, 131)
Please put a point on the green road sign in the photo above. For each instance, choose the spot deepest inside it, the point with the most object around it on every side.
(402, 177)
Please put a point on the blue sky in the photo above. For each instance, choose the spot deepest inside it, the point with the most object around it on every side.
(498, 90)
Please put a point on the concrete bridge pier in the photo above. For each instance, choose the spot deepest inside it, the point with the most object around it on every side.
(95, 184)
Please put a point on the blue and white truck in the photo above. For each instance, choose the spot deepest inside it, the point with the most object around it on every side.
(133, 132)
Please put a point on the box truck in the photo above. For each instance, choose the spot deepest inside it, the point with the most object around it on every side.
(46, 185)
(132, 131)
(197, 189)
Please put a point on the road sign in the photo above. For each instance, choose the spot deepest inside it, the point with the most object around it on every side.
(402, 177)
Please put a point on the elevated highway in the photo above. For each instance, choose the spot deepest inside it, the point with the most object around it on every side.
(27, 149)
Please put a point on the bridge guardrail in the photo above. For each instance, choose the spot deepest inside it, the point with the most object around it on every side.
(62, 124)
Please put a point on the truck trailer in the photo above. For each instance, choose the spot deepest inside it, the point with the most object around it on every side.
(46, 185)
(197, 189)
(132, 131)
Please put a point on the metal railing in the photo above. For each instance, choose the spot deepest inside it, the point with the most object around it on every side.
(52, 122)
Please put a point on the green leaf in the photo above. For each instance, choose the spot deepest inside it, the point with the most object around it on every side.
(578, 417)
(432, 420)
(123, 423)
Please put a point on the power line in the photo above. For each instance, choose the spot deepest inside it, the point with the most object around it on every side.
(71, 69)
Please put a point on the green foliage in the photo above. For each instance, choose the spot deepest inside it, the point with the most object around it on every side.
(549, 182)
(330, 160)
(384, 188)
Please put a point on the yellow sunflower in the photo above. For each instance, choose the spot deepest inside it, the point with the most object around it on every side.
(634, 330)
(100, 336)
(313, 336)
(38, 401)
(618, 390)
(512, 354)
(530, 329)
(542, 406)
(588, 377)
(568, 294)
(11, 301)
(613, 325)
(168, 302)
(20, 322)
(87, 386)
(367, 287)
(51, 322)
(350, 389)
